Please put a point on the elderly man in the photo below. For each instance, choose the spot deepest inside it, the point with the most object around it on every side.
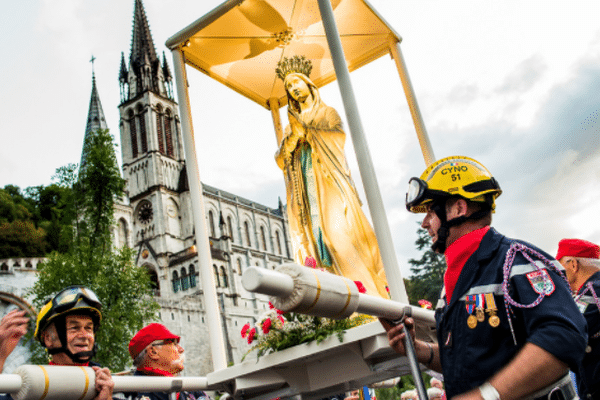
(156, 352)
(66, 326)
(581, 260)
(507, 326)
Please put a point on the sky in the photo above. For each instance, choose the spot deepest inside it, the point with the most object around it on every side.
(513, 84)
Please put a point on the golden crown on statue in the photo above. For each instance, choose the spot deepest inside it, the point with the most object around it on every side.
(298, 64)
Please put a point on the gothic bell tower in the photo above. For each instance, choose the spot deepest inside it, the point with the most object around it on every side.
(151, 145)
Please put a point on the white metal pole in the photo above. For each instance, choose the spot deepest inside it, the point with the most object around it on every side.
(217, 344)
(365, 164)
(274, 107)
(415, 112)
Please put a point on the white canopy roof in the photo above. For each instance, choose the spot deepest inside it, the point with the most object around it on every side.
(240, 43)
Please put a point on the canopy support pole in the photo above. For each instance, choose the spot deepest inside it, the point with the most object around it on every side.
(415, 112)
(217, 344)
(274, 107)
(365, 164)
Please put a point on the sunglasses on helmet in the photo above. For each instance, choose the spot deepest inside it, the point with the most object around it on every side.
(71, 295)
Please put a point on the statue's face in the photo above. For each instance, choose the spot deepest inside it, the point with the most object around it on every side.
(297, 88)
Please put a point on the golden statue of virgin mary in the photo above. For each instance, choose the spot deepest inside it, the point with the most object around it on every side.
(324, 211)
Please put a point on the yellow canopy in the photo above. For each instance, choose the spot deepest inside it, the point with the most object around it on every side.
(240, 43)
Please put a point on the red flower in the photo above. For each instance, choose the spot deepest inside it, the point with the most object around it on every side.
(245, 330)
(425, 304)
(251, 335)
(271, 306)
(310, 262)
(360, 286)
(266, 326)
(281, 318)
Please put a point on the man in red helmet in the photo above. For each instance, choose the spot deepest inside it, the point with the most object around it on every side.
(581, 260)
(156, 352)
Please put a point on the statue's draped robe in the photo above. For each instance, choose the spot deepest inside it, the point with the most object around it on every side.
(324, 211)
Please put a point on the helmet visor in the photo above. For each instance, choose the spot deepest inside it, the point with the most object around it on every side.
(416, 192)
(69, 297)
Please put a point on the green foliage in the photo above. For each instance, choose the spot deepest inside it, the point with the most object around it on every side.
(21, 238)
(427, 272)
(85, 206)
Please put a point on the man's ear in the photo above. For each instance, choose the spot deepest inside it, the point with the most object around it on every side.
(152, 353)
(576, 265)
(461, 207)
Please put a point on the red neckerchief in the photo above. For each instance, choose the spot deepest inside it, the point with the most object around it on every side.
(457, 255)
(87, 364)
(154, 371)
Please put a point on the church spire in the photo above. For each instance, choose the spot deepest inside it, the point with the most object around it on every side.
(95, 119)
(145, 70)
(142, 45)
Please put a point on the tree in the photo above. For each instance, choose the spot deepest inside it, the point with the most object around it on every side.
(428, 271)
(92, 260)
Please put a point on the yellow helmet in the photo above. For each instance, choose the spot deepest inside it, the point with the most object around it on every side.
(74, 299)
(452, 176)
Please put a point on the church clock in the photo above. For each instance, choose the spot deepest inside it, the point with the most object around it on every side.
(145, 212)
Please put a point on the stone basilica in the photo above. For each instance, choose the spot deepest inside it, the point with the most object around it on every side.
(155, 216)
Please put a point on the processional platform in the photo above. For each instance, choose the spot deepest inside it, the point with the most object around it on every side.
(315, 371)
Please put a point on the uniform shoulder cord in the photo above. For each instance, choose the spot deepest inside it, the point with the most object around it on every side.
(508, 264)
(589, 288)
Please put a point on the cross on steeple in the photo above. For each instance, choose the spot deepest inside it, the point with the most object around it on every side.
(92, 61)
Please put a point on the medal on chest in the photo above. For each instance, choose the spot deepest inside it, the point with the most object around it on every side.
(470, 304)
(494, 320)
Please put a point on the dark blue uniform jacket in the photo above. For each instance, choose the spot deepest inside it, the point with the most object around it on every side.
(471, 356)
(588, 373)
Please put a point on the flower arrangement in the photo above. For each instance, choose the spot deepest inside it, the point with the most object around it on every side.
(425, 304)
(276, 330)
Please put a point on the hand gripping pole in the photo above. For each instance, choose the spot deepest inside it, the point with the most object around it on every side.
(44, 382)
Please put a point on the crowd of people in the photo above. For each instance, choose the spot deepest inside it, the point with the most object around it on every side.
(512, 320)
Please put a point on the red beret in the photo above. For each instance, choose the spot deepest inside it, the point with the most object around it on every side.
(147, 335)
(577, 248)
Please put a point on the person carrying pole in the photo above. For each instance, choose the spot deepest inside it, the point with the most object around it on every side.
(66, 326)
(507, 326)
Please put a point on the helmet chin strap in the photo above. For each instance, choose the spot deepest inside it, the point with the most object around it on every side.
(440, 245)
(78, 358)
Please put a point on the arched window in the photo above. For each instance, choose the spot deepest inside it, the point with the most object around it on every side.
(176, 282)
(239, 265)
(230, 227)
(159, 130)
(211, 224)
(123, 237)
(217, 280)
(184, 279)
(4, 267)
(278, 242)
(154, 284)
(247, 233)
(141, 117)
(168, 120)
(224, 274)
(28, 264)
(192, 276)
(133, 134)
(263, 238)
